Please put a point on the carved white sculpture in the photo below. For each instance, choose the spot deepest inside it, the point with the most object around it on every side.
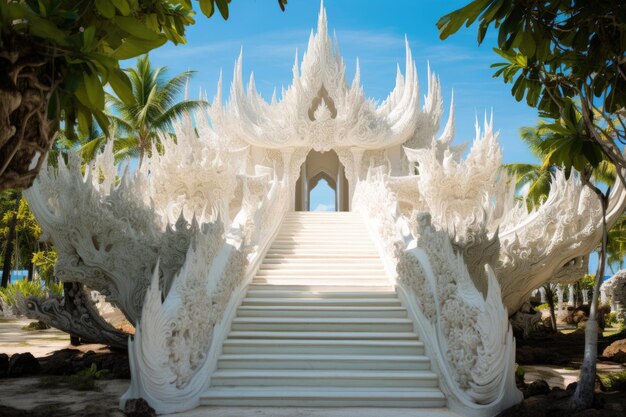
(160, 243)
(613, 291)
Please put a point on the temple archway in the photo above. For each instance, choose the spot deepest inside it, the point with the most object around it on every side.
(322, 166)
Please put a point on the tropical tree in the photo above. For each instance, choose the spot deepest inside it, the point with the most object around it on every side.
(9, 204)
(19, 234)
(56, 57)
(616, 247)
(536, 177)
(151, 110)
(567, 59)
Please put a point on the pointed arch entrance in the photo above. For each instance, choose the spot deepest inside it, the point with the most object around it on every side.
(320, 166)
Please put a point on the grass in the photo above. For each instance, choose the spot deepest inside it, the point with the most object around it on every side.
(611, 331)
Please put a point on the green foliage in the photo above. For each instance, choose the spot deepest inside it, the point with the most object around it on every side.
(567, 59)
(616, 247)
(35, 325)
(613, 381)
(587, 282)
(519, 375)
(611, 319)
(150, 110)
(543, 306)
(35, 288)
(85, 380)
(85, 40)
(44, 261)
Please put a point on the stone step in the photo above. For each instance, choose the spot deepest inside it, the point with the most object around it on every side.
(331, 287)
(315, 335)
(323, 362)
(323, 311)
(322, 301)
(324, 346)
(289, 396)
(323, 378)
(356, 293)
(321, 324)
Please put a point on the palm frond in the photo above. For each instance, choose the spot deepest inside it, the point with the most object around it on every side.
(165, 120)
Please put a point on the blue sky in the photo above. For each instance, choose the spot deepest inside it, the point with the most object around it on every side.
(370, 30)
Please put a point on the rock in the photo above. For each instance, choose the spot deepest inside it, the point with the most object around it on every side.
(13, 412)
(591, 412)
(22, 364)
(115, 363)
(572, 387)
(70, 361)
(616, 351)
(138, 407)
(536, 406)
(539, 387)
(4, 365)
(61, 362)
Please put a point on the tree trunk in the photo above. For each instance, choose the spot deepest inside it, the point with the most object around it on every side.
(550, 295)
(27, 79)
(31, 269)
(583, 396)
(8, 251)
(547, 288)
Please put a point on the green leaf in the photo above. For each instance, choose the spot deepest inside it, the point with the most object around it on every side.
(121, 85)
(527, 45)
(136, 28)
(84, 121)
(105, 8)
(122, 6)
(133, 47)
(89, 36)
(207, 7)
(95, 92)
(222, 5)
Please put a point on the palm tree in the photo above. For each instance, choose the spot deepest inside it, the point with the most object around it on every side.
(153, 108)
(9, 204)
(537, 177)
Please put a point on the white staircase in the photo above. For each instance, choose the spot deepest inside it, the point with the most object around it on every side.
(322, 326)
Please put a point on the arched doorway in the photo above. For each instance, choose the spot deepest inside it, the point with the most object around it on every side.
(319, 169)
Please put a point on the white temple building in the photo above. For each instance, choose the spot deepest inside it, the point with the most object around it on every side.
(240, 296)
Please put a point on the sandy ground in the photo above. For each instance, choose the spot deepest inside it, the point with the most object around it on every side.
(27, 394)
(38, 342)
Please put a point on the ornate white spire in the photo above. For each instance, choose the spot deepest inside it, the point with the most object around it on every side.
(319, 85)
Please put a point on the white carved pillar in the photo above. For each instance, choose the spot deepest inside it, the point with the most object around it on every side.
(339, 191)
(570, 294)
(305, 188)
(357, 156)
(544, 299)
(585, 296)
(289, 182)
(559, 295)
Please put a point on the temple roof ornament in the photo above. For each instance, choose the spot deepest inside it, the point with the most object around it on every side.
(320, 110)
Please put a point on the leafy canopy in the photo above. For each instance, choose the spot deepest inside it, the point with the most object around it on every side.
(568, 59)
(86, 40)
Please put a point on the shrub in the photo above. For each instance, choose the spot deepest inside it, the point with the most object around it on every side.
(614, 381)
(34, 288)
